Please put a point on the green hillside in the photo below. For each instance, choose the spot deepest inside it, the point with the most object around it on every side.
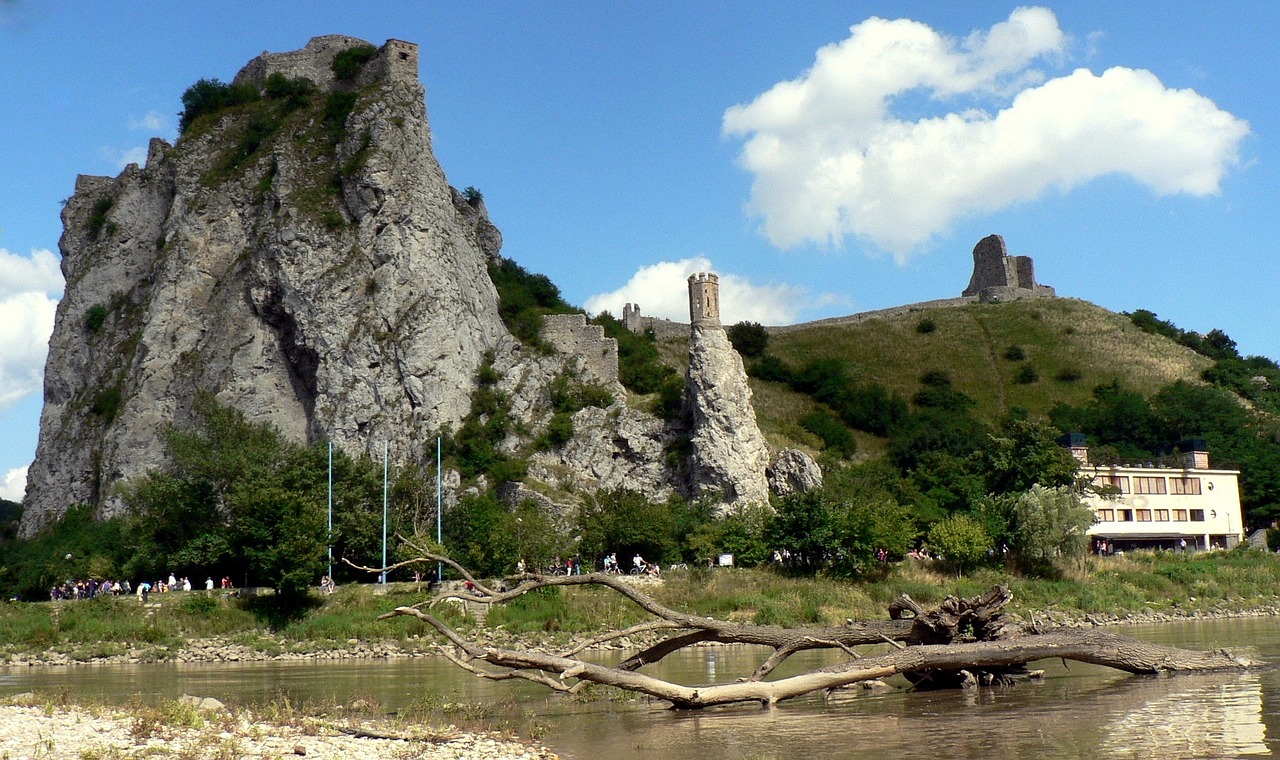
(1071, 346)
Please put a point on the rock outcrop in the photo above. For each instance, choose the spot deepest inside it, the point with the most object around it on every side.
(304, 260)
(729, 454)
(793, 471)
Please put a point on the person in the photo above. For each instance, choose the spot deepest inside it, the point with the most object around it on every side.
(520, 566)
(186, 583)
(144, 590)
(655, 570)
(638, 563)
(173, 582)
(208, 584)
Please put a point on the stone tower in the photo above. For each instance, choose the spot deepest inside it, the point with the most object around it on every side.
(704, 299)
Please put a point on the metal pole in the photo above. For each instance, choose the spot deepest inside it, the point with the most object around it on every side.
(439, 517)
(384, 512)
(330, 509)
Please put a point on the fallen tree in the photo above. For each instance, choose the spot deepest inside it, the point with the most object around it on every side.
(961, 642)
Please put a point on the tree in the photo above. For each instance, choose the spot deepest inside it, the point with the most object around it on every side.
(1023, 454)
(961, 541)
(1049, 524)
(749, 339)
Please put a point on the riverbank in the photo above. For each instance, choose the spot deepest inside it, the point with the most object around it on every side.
(34, 727)
(194, 627)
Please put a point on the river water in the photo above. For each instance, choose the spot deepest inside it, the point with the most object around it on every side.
(1077, 711)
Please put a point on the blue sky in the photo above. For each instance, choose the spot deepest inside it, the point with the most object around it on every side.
(823, 157)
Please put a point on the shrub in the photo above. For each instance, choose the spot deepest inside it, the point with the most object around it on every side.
(209, 96)
(749, 338)
(106, 404)
(835, 436)
(336, 110)
(472, 196)
(296, 93)
(771, 368)
(349, 62)
(1026, 375)
(95, 317)
(98, 217)
(926, 326)
(1068, 375)
(1015, 353)
(560, 429)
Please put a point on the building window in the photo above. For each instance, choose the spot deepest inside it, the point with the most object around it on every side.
(1106, 515)
(1162, 515)
(1185, 486)
(1118, 482)
(1124, 515)
(1142, 484)
(1180, 515)
(1197, 515)
(1144, 515)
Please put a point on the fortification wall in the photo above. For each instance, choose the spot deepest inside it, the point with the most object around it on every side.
(395, 59)
(570, 334)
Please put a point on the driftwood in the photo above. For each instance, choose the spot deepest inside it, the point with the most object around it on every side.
(962, 641)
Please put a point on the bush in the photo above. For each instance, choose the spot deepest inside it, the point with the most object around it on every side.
(926, 326)
(349, 62)
(771, 368)
(95, 317)
(106, 404)
(209, 96)
(1026, 375)
(472, 196)
(1015, 353)
(98, 217)
(1068, 375)
(835, 436)
(560, 429)
(748, 338)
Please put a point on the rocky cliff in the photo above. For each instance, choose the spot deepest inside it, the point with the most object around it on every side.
(301, 256)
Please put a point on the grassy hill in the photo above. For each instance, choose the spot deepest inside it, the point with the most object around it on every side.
(1070, 346)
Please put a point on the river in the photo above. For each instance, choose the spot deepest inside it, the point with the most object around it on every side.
(1077, 711)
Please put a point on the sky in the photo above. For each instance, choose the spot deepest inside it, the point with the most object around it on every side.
(824, 158)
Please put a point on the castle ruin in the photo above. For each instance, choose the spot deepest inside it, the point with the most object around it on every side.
(395, 60)
(997, 276)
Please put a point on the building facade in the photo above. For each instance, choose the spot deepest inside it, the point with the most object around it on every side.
(1192, 506)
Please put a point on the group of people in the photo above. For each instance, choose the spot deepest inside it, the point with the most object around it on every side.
(639, 565)
(88, 589)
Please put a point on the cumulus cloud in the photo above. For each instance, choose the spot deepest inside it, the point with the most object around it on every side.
(122, 158)
(662, 290)
(28, 290)
(832, 160)
(13, 486)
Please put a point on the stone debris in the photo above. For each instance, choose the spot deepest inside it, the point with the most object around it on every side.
(60, 731)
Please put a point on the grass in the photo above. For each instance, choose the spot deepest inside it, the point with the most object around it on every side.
(1058, 337)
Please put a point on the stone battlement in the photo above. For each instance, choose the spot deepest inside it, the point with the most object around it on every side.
(396, 59)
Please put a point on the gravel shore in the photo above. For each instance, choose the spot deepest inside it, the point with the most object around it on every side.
(44, 731)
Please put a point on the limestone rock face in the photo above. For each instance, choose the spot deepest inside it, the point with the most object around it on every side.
(793, 471)
(729, 453)
(325, 279)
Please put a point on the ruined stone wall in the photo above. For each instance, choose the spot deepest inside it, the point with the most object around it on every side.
(997, 276)
(394, 60)
(570, 334)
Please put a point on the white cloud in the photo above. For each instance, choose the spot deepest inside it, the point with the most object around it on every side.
(122, 158)
(40, 272)
(154, 121)
(13, 486)
(662, 290)
(831, 160)
(28, 290)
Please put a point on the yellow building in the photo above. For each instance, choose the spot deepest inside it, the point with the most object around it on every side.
(1192, 506)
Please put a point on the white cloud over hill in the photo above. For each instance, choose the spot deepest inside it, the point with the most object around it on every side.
(898, 130)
